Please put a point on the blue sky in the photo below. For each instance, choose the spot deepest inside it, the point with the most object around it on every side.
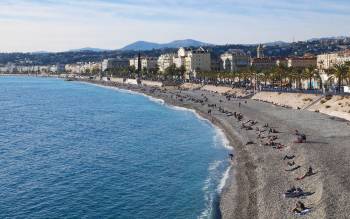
(58, 25)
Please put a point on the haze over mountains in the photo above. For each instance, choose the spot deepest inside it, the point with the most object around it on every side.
(144, 45)
(148, 46)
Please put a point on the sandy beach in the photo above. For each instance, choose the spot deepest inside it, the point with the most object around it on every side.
(260, 176)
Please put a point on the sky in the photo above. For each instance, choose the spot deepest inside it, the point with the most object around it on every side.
(60, 25)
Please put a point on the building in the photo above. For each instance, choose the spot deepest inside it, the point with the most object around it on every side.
(302, 62)
(149, 63)
(114, 63)
(179, 60)
(216, 64)
(282, 62)
(263, 63)
(343, 57)
(197, 60)
(234, 60)
(165, 60)
(59, 68)
(326, 61)
(260, 52)
(146, 62)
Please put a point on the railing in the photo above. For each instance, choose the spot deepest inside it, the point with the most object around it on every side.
(291, 90)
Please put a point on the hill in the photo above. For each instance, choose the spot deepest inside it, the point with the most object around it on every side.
(144, 45)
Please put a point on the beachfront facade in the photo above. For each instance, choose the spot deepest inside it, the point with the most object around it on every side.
(149, 63)
(302, 62)
(197, 60)
(282, 62)
(343, 57)
(326, 61)
(263, 63)
(114, 63)
(234, 60)
(179, 60)
(146, 63)
(164, 61)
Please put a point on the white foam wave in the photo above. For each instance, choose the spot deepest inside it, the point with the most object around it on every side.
(208, 189)
(223, 180)
(220, 138)
(153, 99)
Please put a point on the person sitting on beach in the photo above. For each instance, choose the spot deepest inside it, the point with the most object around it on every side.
(299, 208)
(301, 138)
(289, 157)
(308, 173)
(293, 189)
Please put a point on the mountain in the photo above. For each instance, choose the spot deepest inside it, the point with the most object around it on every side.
(277, 43)
(144, 45)
(87, 49)
(40, 52)
(327, 38)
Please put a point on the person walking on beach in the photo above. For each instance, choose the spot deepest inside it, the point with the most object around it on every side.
(239, 104)
(231, 156)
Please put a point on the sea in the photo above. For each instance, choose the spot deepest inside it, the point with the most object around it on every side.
(78, 150)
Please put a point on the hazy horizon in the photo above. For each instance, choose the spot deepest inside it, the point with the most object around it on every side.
(46, 25)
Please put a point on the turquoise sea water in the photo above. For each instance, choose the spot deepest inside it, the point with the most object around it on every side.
(74, 150)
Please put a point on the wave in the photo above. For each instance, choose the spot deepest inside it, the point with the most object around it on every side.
(223, 180)
(153, 99)
(213, 186)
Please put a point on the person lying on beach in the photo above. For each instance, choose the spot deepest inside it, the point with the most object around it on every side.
(308, 173)
(300, 208)
(272, 137)
(301, 138)
(271, 130)
(294, 168)
(291, 163)
(296, 193)
(289, 157)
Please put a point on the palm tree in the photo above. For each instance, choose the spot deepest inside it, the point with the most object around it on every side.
(309, 73)
(339, 71)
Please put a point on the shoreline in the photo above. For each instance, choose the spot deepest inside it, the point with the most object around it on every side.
(258, 178)
(232, 137)
(227, 144)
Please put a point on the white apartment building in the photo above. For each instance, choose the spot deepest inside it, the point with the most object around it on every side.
(179, 60)
(146, 62)
(234, 60)
(343, 57)
(164, 61)
(197, 60)
(326, 61)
